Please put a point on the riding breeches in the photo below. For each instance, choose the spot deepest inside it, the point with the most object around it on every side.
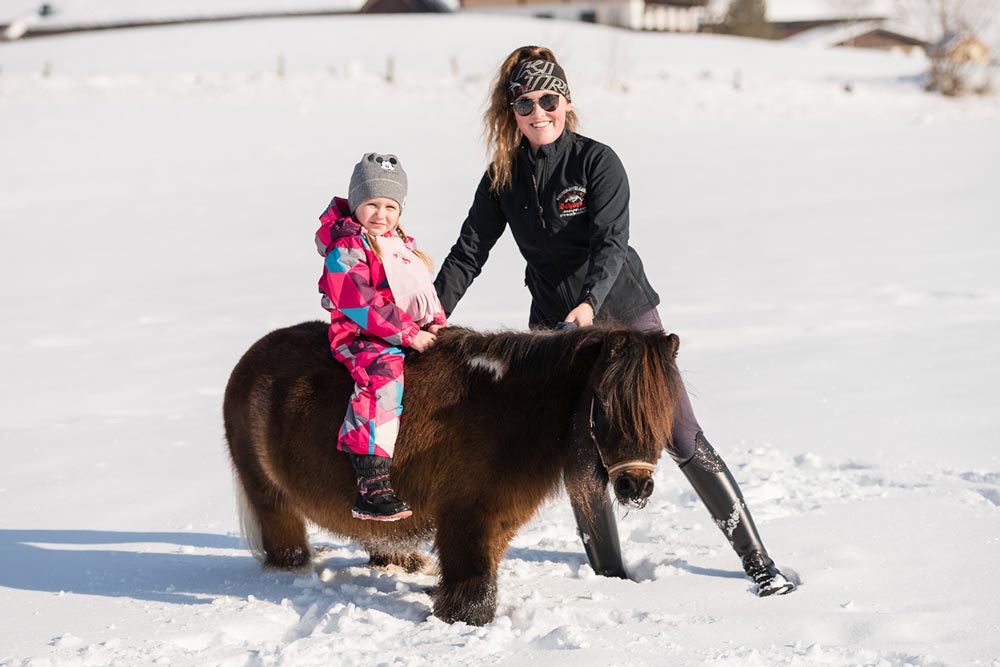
(372, 420)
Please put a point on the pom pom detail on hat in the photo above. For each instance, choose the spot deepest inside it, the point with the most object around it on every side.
(377, 175)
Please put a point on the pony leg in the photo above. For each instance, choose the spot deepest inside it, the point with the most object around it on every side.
(468, 557)
(598, 530)
(274, 531)
(409, 562)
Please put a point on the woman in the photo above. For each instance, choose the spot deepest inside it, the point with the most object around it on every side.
(566, 198)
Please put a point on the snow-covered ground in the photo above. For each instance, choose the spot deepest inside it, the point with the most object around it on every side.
(830, 259)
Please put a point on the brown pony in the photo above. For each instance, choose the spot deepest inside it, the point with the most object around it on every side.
(491, 424)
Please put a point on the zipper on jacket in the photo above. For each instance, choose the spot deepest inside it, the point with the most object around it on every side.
(561, 289)
(538, 203)
(561, 285)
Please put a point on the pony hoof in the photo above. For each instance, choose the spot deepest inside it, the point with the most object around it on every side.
(470, 615)
(473, 602)
(410, 563)
(292, 558)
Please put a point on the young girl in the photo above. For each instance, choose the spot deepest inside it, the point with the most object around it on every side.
(378, 290)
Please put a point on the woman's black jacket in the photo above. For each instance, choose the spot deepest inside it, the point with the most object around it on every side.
(568, 211)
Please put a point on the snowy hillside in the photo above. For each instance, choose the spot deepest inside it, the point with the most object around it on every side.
(823, 234)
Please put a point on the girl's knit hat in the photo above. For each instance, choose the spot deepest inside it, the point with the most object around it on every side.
(377, 175)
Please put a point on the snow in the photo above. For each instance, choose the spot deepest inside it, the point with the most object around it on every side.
(809, 10)
(828, 258)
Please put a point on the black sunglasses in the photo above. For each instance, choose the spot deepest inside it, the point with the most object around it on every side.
(523, 106)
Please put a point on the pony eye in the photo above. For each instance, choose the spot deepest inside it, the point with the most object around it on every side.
(393, 160)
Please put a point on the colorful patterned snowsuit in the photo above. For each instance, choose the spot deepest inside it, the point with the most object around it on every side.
(367, 331)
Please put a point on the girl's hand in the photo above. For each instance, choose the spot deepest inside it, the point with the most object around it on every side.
(423, 341)
(434, 328)
(582, 315)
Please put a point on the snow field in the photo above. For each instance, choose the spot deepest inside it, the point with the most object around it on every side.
(829, 260)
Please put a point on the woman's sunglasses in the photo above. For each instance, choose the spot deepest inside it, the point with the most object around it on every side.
(523, 106)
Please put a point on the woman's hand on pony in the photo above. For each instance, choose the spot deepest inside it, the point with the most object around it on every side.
(423, 341)
(582, 315)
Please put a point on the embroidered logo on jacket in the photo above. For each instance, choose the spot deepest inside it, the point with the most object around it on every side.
(572, 201)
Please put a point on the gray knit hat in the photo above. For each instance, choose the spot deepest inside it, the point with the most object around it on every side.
(377, 175)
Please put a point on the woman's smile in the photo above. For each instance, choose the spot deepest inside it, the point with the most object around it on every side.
(541, 127)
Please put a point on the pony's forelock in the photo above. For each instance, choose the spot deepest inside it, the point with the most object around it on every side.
(637, 383)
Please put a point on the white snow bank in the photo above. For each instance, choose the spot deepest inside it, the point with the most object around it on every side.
(829, 260)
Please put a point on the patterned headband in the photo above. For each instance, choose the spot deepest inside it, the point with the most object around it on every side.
(532, 75)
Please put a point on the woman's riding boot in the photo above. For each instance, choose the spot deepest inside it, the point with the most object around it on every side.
(376, 501)
(600, 537)
(717, 488)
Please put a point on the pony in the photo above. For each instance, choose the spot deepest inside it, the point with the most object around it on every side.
(493, 422)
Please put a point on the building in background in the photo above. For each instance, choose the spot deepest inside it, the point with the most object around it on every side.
(404, 7)
(661, 15)
(867, 34)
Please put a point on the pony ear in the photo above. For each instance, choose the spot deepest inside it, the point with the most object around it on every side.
(674, 342)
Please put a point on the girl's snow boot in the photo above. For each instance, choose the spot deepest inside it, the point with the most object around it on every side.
(376, 500)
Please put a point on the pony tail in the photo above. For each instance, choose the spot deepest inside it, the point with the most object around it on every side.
(502, 136)
(250, 527)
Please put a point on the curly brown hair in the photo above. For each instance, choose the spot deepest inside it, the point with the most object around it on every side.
(502, 135)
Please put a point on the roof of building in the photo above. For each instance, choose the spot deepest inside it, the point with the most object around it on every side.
(840, 33)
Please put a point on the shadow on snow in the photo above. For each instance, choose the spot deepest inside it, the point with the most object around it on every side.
(119, 564)
(122, 564)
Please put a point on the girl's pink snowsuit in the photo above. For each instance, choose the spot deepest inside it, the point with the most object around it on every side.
(367, 331)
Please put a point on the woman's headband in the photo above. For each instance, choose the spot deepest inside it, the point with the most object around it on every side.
(538, 74)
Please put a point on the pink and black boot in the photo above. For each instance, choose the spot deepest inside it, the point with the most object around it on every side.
(376, 500)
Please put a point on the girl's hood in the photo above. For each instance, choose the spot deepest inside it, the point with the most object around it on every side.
(335, 223)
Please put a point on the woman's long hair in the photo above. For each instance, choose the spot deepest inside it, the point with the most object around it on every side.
(502, 136)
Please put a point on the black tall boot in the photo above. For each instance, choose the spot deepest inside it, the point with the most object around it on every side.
(600, 537)
(717, 488)
(376, 501)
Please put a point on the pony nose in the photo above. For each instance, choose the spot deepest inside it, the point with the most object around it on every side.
(626, 486)
(634, 488)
